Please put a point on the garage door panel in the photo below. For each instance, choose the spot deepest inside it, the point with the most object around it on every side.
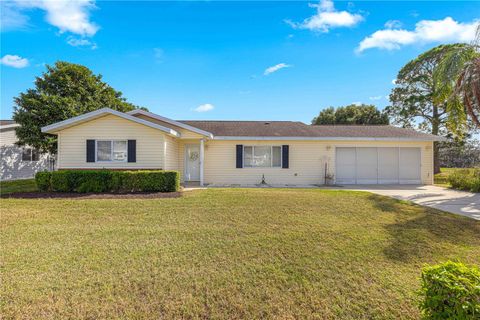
(382, 165)
(366, 165)
(409, 169)
(345, 165)
(388, 165)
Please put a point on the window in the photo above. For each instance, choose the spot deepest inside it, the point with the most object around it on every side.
(112, 150)
(262, 156)
(30, 154)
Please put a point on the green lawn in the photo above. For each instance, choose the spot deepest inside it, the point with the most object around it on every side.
(224, 254)
(8, 187)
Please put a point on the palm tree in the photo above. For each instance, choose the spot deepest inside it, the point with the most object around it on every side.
(458, 82)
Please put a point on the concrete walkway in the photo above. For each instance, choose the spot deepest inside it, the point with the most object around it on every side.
(458, 202)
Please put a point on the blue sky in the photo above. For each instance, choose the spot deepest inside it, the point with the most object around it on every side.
(229, 60)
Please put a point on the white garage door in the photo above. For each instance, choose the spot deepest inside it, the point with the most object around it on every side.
(378, 165)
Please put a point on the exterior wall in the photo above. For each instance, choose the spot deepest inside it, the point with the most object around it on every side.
(306, 164)
(151, 144)
(171, 152)
(7, 137)
(11, 165)
(185, 134)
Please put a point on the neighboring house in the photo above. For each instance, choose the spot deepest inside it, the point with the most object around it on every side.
(19, 162)
(243, 152)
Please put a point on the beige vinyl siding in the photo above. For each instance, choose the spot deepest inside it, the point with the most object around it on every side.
(171, 153)
(184, 133)
(307, 161)
(150, 143)
(8, 137)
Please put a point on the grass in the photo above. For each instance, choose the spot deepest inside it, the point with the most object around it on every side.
(27, 185)
(224, 253)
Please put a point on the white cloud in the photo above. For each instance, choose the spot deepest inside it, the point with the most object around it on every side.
(327, 18)
(204, 107)
(374, 98)
(393, 24)
(426, 31)
(14, 61)
(275, 68)
(81, 42)
(11, 17)
(394, 81)
(357, 103)
(68, 16)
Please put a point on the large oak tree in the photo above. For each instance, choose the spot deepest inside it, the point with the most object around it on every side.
(65, 90)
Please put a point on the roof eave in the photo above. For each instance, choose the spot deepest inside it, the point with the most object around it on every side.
(327, 138)
(55, 127)
(172, 122)
(9, 126)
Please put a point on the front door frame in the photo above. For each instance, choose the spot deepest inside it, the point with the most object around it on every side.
(185, 162)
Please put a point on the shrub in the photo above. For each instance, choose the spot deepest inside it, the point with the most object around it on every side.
(450, 291)
(61, 181)
(146, 181)
(465, 179)
(114, 181)
(42, 179)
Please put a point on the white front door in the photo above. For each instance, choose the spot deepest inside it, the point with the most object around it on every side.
(192, 162)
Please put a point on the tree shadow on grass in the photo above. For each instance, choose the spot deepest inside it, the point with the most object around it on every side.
(419, 232)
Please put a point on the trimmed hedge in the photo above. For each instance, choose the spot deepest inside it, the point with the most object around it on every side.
(97, 181)
(42, 179)
(465, 179)
(450, 291)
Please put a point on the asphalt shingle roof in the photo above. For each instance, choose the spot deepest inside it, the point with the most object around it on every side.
(300, 129)
(6, 122)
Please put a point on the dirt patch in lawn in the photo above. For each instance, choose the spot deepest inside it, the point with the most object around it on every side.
(63, 195)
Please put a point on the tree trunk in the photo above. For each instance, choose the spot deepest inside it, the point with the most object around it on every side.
(436, 147)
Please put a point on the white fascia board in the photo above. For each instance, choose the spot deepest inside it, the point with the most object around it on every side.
(237, 138)
(9, 126)
(172, 122)
(100, 112)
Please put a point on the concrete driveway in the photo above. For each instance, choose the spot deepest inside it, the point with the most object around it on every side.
(458, 202)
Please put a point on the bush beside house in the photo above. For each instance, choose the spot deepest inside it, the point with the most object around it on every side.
(450, 291)
(96, 181)
(465, 179)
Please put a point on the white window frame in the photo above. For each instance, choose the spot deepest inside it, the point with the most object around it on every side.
(31, 154)
(111, 150)
(271, 156)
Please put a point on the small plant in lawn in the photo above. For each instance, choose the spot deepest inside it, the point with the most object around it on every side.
(450, 291)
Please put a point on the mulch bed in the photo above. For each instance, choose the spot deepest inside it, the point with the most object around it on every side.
(66, 195)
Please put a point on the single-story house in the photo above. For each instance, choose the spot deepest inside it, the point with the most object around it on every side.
(245, 152)
(19, 162)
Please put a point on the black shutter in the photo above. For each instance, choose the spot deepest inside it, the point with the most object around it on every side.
(132, 150)
(239, 155)
(285, 156)
(90, 150)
